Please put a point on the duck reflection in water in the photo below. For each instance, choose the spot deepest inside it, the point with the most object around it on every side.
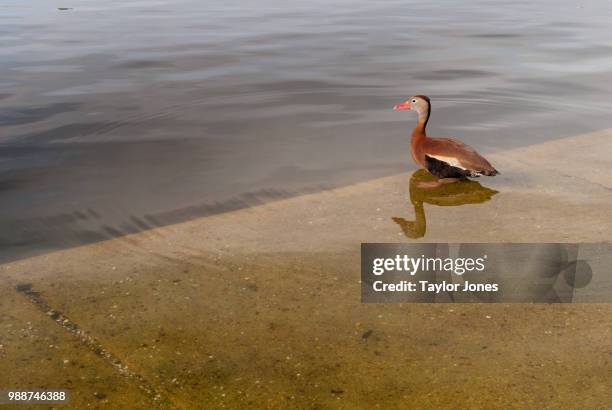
(460, 193)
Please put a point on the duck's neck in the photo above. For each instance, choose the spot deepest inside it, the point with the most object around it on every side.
(419, 130)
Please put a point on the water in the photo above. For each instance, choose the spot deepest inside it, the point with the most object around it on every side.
(118, 116)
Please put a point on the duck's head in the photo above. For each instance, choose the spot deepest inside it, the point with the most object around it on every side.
(418, 103)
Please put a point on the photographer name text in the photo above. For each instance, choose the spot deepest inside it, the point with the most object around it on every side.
(411, 266)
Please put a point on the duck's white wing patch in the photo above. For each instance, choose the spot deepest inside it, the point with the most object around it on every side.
(452, 161)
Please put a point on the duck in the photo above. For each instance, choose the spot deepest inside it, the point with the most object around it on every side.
(448, 159)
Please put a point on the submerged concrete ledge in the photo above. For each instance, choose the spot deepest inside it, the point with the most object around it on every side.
(260, 307)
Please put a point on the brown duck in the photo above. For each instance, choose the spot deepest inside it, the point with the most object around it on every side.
(447, 159)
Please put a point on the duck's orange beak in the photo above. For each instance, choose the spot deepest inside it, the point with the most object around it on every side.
(402, 106)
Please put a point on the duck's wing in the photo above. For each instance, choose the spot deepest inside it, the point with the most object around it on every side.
(459, 155)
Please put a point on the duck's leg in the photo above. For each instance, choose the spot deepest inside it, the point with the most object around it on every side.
(438, 182)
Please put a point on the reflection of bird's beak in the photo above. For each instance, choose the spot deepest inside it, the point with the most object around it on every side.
(402, 106)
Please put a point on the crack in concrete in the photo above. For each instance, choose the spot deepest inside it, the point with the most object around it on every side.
(94, 345)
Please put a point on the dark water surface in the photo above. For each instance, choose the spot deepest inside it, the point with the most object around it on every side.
(117, 116)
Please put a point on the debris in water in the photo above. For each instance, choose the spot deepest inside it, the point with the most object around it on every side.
(99, 395)
(366, 334)
(23, 287)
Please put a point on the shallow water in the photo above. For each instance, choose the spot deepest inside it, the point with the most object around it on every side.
(118, 116)
(199, 331)
(261, 308)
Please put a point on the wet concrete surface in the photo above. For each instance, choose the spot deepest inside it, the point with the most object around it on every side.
(261, 307)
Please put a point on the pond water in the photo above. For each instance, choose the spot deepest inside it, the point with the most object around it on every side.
(118, 116)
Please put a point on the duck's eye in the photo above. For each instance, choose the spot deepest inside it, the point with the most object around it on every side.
(414, 101)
